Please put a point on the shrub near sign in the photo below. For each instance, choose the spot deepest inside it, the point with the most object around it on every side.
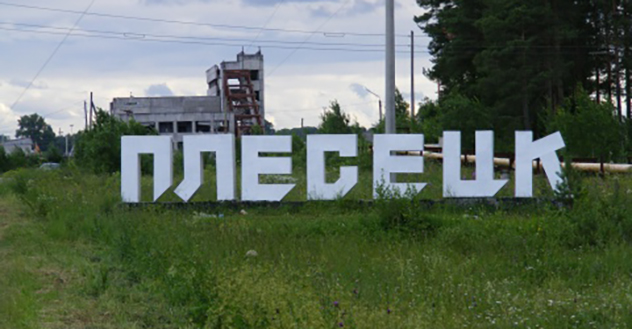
(385, 163)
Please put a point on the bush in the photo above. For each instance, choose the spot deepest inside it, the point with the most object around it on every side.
(17, 159)
(53, 154)
(5, 165)
(600, 218)
(590, 130)
(99, 149)
(403, 212)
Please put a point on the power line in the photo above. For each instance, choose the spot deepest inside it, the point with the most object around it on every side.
(308, 37)
(51, 55)
(131, 35)
(315, 110)
(276, 8)
(61, 110)
(142, 35)
(121, 36)
(224, 26)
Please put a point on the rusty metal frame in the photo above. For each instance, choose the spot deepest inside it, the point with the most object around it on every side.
(241, 100)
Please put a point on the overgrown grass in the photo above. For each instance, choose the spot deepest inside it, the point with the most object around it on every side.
(76, 259)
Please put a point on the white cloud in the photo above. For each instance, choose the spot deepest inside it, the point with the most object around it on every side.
(158, 90)
(8, 121)
(298, 88)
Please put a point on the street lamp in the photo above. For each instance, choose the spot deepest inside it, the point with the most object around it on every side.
(378, 98)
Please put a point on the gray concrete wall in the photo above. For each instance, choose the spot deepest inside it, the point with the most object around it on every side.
(154, 105)
(189, 110)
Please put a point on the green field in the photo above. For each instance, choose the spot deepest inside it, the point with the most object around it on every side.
(72, 257)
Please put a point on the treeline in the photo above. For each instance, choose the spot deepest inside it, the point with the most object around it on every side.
(97, 149)
(509, 65)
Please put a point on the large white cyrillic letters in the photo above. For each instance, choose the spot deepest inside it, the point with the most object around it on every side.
(252, 166)
(384, 163)
(484, 185)
(224, 148)
(317, 145)
(527, 150)
(131, 149)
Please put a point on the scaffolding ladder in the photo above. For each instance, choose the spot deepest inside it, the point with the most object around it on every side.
(241, 100)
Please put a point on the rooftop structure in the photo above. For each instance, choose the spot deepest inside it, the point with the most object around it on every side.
(240, 85)
(234, 103)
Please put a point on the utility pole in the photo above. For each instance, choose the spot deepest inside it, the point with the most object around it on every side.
(412, 78)
(85, 115)
(90, 122)
(390, 68)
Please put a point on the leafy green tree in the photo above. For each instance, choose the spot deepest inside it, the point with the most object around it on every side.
(454, 112)
(334, 120)
(455, 41)
(4, 160)
(99, 149)
(515, 57)
(429, 119)
(301, 132)
(268, 127)
(589, 129)
(402, 116)
(35, 127)
(466, 115)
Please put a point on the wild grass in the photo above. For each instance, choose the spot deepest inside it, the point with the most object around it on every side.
(74, 258)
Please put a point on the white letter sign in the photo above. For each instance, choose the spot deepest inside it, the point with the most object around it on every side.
(224, 148)
(252, 165)
(384, 163)
(317, 145)
(131, 149)
(526, 151)
(484, 185)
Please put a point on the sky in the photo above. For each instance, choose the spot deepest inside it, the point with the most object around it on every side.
(314, 52)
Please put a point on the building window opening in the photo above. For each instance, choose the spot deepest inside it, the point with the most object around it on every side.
(254, 75)
(150, 126)
(203, 127)
(185, 127)
(165, 127)
(258, 95)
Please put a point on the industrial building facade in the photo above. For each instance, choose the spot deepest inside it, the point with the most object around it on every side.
(234, 103)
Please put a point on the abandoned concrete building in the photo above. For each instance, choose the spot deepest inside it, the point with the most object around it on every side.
(24, 144)
(234, 103)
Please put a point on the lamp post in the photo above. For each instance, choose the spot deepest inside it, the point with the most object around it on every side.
(68, 154)
(379, 101)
